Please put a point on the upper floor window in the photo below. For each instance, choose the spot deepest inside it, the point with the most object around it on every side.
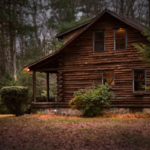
(99, 41)
(139, 79)
(108, 76)
(120, 39)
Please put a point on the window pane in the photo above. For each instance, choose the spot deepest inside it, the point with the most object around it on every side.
(120, 39)
(139, 74)
(139, 80)
(120, 44)
(99, 46)
(138, 85)
(108, 76)
(99, 41)
(99, 35)
(120, 33)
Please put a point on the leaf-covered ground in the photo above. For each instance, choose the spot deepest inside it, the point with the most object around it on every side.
(45, 132)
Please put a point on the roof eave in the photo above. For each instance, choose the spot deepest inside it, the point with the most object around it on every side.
(60, 35)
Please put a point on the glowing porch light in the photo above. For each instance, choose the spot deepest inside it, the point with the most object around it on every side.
(28, 69)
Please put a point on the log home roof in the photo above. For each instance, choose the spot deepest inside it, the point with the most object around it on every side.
(49, 59)
(120, 17)
(60, 35)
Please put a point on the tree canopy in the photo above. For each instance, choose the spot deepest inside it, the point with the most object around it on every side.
(28, 27)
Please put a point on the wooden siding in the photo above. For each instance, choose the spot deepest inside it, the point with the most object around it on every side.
(50, 105)
(81, 66)
(70, 35)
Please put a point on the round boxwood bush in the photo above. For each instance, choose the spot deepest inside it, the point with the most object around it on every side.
(15, 98)
(92, 100)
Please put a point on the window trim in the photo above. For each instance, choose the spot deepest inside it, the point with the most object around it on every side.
(126, 39)
(94, 41)
(113, 77)
(133, 78)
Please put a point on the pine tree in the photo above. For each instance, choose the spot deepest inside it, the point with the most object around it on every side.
(143, 48)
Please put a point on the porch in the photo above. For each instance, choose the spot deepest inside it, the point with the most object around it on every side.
(51, 64)
(48, 101)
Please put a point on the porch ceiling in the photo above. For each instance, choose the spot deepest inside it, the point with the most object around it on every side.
(46, 65)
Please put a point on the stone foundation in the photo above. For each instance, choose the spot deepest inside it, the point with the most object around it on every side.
(117, 111)
(146, 110)
(59, 111)
(74, 112)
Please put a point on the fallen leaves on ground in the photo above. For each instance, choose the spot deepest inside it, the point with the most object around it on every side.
(47, 132)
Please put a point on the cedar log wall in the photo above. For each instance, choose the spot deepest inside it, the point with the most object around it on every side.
(80, 67)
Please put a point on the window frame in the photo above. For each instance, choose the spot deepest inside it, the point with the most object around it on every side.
(113, 77)
(115, 39)
(103, 30)
(145, 73)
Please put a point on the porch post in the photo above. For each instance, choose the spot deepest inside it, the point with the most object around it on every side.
(34, 86)
(47, 85)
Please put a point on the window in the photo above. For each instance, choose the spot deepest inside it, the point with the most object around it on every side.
(108, 76)
(99, 41)
(120, 41)
(139, 76)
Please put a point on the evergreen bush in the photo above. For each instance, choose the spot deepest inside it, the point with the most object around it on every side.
(15, 98)
(3, 108)
(92, 100)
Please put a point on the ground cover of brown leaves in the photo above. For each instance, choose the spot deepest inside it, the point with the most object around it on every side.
(46, 132)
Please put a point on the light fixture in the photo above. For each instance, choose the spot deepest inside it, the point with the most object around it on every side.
(28, 69)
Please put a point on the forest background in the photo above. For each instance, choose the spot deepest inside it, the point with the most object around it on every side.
(28, 29)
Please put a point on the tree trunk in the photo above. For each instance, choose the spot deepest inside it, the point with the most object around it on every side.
(14, 61)
(149, 13)
(12, 39)
(122, 7)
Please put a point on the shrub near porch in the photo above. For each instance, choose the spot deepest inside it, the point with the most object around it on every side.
(92, 100)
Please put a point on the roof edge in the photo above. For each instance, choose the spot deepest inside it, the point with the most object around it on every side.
(126, 20)
(91, 22)
(73, 28)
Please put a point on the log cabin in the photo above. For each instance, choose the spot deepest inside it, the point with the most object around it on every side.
(99, 50)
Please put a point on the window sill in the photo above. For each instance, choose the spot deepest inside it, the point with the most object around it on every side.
(139, 93)
(120, 49)
(99, 52)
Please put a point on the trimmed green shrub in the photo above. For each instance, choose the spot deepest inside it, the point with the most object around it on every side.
(92, 100)
(3, 108)
(15, 98)
(5, 80)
